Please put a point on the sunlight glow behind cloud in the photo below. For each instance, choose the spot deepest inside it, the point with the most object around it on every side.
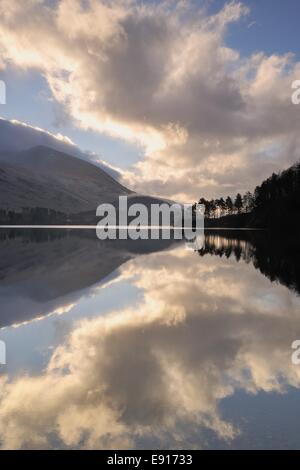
(161, 76)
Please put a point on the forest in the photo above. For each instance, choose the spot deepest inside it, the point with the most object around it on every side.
(275, 202)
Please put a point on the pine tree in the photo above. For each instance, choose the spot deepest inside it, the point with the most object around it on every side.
(238, 203)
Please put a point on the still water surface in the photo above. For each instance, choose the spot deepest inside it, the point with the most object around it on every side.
(121, 345)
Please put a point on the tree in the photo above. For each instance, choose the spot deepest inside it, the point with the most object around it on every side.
(238, 203)
(229, 205)
(222, 206)
(212, 208)
(205, 203)
(248, 202)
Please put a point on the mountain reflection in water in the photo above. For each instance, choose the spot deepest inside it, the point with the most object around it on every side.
(149, 345)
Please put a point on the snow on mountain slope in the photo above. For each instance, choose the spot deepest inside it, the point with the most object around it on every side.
(44, 177)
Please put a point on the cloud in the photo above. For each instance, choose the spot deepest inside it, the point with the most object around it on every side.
(158, 370)
(162, 76)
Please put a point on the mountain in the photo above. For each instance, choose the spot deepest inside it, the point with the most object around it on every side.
(45, 177)
(16, 137)
(53, 179)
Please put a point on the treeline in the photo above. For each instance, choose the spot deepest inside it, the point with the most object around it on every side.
(31, 216)
(216, 208)
(280, 189)
(276, 200)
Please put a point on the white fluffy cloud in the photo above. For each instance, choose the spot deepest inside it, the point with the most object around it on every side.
(161, 75)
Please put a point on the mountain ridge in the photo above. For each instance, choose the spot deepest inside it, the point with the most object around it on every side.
(16, 137)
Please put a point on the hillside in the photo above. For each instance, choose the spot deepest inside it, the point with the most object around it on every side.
(44, 177)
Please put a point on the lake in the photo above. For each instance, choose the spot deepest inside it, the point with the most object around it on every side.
(149, 344)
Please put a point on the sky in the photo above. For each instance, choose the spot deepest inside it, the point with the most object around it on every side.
(188, 99)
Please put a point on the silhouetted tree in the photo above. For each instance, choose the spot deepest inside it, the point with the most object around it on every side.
(238, 203)
(248, 202)
(229, 205)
